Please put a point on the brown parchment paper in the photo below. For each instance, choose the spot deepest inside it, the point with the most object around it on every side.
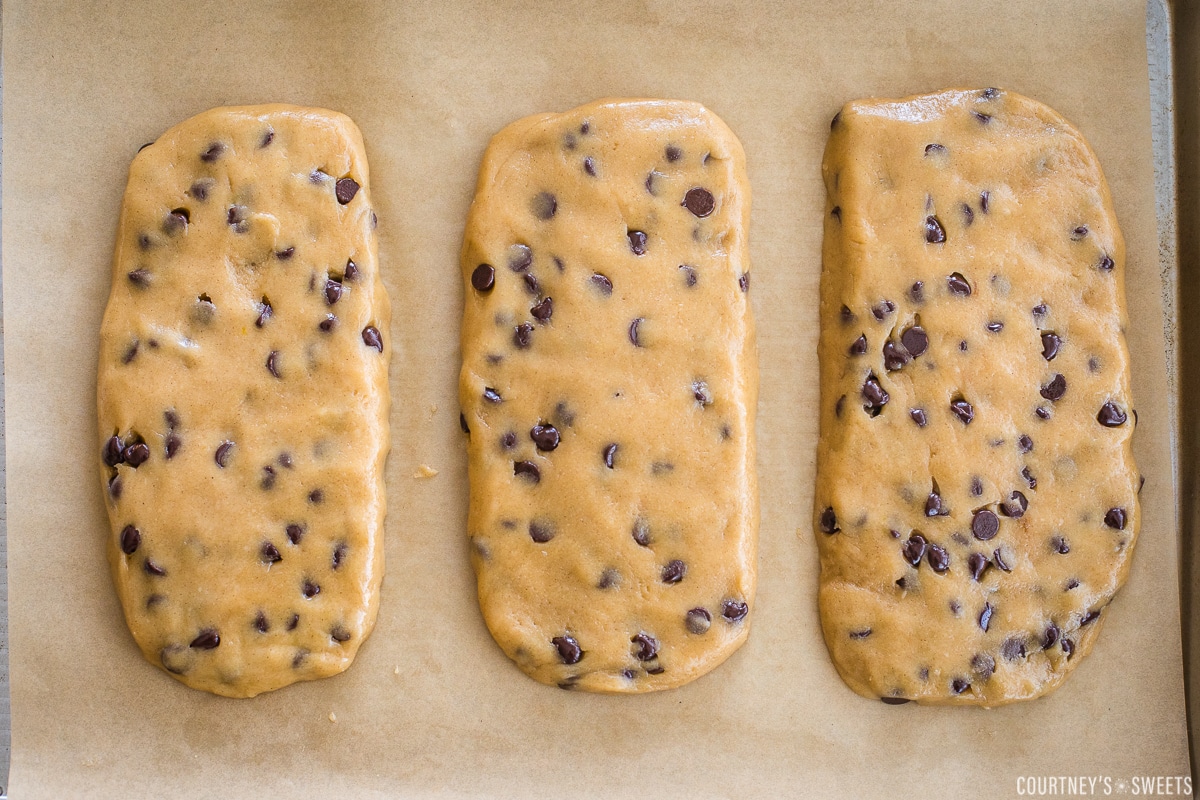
(432, 707)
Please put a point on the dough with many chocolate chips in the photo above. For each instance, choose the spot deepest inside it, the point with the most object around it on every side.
(608, 386)
(976, 502)
(243, 399)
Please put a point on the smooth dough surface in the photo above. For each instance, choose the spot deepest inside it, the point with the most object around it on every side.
(243, 399)
(976, 503)
(609, 384)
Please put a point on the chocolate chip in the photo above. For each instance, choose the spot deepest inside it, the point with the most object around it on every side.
(958, 284)
(702, 393)
(959, 685)
(213, 152)
(861, 634)
(602, 283)
(918, 416)
(836, 213)
(645, 646)
(884, 308)
(131, 353)
(222, 454)
(935, 149)
(345, 189)
(674, 571)
(1111, 416)
(699, 201)
(508, 441)
(264, 312)
(985, 616)
(316, 497)
(328, 324)
(963, 410)
(1029, 479)
(1060, 546)
(176, 221)
(934, 232)
(650, 182)
(637, 242)
(610, 454)
(295, 533)
(698, 621)
(333, 291)
(1024, 444)
(273, 363)
(983, 664)
(938, 558)
(172, 445)
(673, 153)
(976, 486)
(589, 166)
(859, 347)
(633, 331)
(915, 341)
(744, 282)
(153, 569)
(260, 623)
(339, 634)
(491, 395)
(310, 589)
(462, 423)
(874, 396)
(1056, 388)
(292, 623)
(568, 649)
(372, 338)
(545, 437)
(984, 119)
(1071, 584)
(985, 525)
(978, 564)
(917, 292)
(519, 257)
(543, 310)
(1068, 647)
(829, 523)
(914, 549)
(734, 611)
(1015, 506)
(268, 478)
(339, 555)
(1050, 345)
(139, 278)
(131, 538)
(1042, 412)
(236, 217)
(894, 357)
(968, 214)
(523, 335)
(206, 640)
(1089, 618)
(527, 470)
(1115, 518)
(544, 206)
(641, 532)
(1079, 233)
(270, 553)
(1106, 264)
(114, 487)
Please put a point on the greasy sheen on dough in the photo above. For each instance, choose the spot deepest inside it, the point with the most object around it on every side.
(608, 384)
(243, 399)
(976, 502)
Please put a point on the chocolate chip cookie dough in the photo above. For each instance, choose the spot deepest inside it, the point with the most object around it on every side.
(976, 502)
(243, 399)
(608, 390)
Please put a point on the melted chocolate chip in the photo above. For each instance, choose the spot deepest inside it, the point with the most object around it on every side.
(568, 649)
(131, 538)
(637, 242)
(914, 549)
(1111, 416)
(985, 525)
(963, 410)
(345, 189)
(934, 232)
(938, 558)
(1013, 648)
(541, 531)
(829, 523)
(1115, 518)
(958, 284)
(268, 478)
(978, 564)
(699, 201)
(527, 470)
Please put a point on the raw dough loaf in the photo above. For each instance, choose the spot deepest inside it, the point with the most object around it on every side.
(609, 386)
(243, 399)
(976, 502)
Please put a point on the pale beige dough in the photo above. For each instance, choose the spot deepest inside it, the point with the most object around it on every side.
(928, 196)
(629, 569)
(241, 449)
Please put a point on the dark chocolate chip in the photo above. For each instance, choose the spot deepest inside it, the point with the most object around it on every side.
(328, 324)
(602, 283)
(699, 201)
(285, 254)
(674, 571)
(1050, 345)
(153, 569)
(1068, 647)
(641, 532)
(689, 274)
(206, 640)
(131, 538)
(1056, 388)
(874, 396)
(914, 549)
(544, 206)
(963, 410)
(978, 564)
(837, 407)
(1115, 518)
(959, 685)
(1013, 648)
(345, 189)
(1014, 506)
(519, 257)
(915, 341)
(1042, 412)
(995, 327)
(236, 216)
(339, 634)
(568, 649)
(1025, 443)
(351, 273)
(1029, 479)
(894, 357)
(836, 213)
(998, 557)
(983, 664)
(1089, 618)
(985, 525)
(333, 291)
(545, 437)
(1060, 545)
(140, 278)
(1079, 233)
(1111, 415)
(172, 445)
(934, 232)
(985, 616)
(316, 496)
(222, 454)
(698, 621)
(673, 153)
(734, 610)
(273, 363)
(645, 646)
(637, 242)
(543, 310)
(270, 553)
(339, 555)
(264, 312)
(527, 470)
(859, 346)
(862, 633)
(310, 589)
(935, 149)
(462, 423)
(633, 331)
(976, 486)
(130, 353)
(610, 454)
(918, 416)
(589, 166)
(176, 221)
(295, 533)
(1050, 636)
(702, 393)
(608, 579)
(744, 282)
(213, 152)
(958, 284)
(938, 558)
(372, 338)
(1071, 584)
(508, 441)
(933, 504)
(984, 119)
(917, 292)
(491, 395)
(884, 308)
(268, 478)
(895, 701)
(829, 523)
(136, 454)
(968, 214)
(114, 487)
(1106, 264)
(523, 335)
(260, 623)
